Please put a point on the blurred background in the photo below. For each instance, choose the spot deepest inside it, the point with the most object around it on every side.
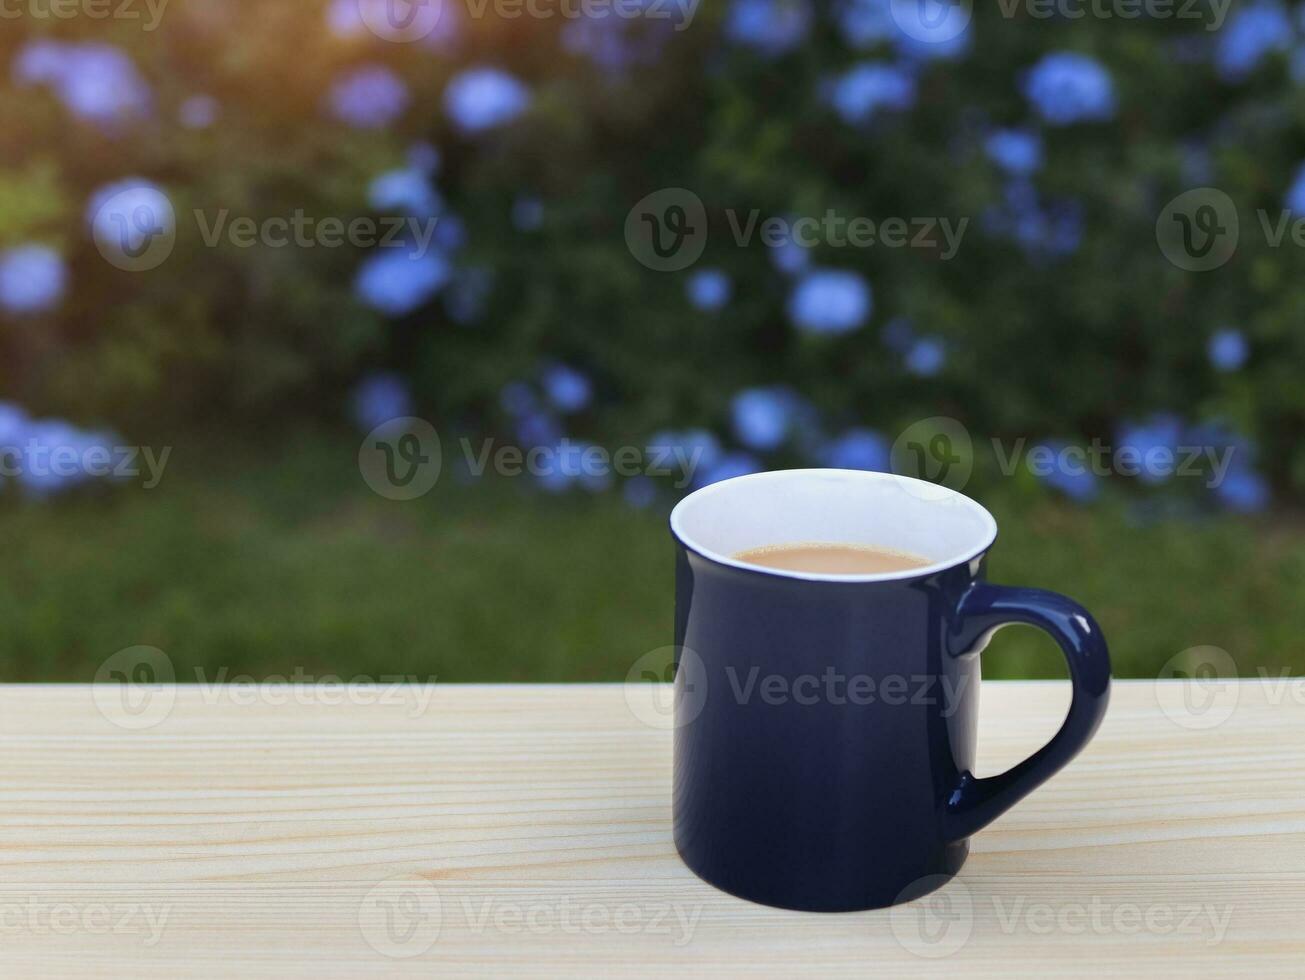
(379, 338)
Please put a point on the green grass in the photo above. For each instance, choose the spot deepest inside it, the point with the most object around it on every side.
(262, 561)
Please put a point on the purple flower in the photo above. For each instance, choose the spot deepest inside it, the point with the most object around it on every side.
(830, 301)
(96, 82)
(1016, 151)
(1227, 349)
(479, 99)
(769, 27)
(380, 398)
(1067, 87)
(370, 97)
(868, 88)
(32, 279)
(396, 282)
(858, 449)
(709, 289)
(567, 389)
(1249, 35)
(199, 112)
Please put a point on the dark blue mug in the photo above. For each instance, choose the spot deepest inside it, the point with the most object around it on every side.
(825, 725)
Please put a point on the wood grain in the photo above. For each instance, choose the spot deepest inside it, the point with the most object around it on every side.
(526, 831)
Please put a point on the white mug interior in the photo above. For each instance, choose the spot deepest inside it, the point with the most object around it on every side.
(848, 507)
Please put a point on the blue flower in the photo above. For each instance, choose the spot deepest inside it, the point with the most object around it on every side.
(517, 399)
(898, 334)
(424, 158)
(52, 456)
(869, 87)
(688, 452)
(32, 279)
(199, 112)
(1066, 87)
(1249, 35)
(1075, 480)
(764, 417)
(567, 389)
(96, 82)
(709, 289)
(1243, 491)
(858, 449)
(468, 294)
(1161, 435)
(727, 467)
(830, 301)
(572, 464)
(370, 97)
(770, 27)
(790, 257)
(867, 22)
(538, 428)
(1016, 151)
(640, 492)
(128, 214)
(1052, 229)
(396, 281)
(380, 398)
(918, 32)
(479, 99)
(404, 191)
(1227, 349)
(1296, 193)
(926, 357)
(613, 41)
(527, 213)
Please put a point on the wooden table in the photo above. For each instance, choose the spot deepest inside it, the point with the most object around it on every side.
(514, 831)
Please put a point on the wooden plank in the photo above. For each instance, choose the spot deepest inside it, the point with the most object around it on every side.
(526, 831)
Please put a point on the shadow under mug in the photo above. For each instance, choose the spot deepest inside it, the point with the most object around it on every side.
(825, 725)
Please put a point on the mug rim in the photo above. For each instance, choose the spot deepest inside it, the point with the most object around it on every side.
(944, 495)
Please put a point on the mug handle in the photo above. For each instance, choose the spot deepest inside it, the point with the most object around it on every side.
(983, 610)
